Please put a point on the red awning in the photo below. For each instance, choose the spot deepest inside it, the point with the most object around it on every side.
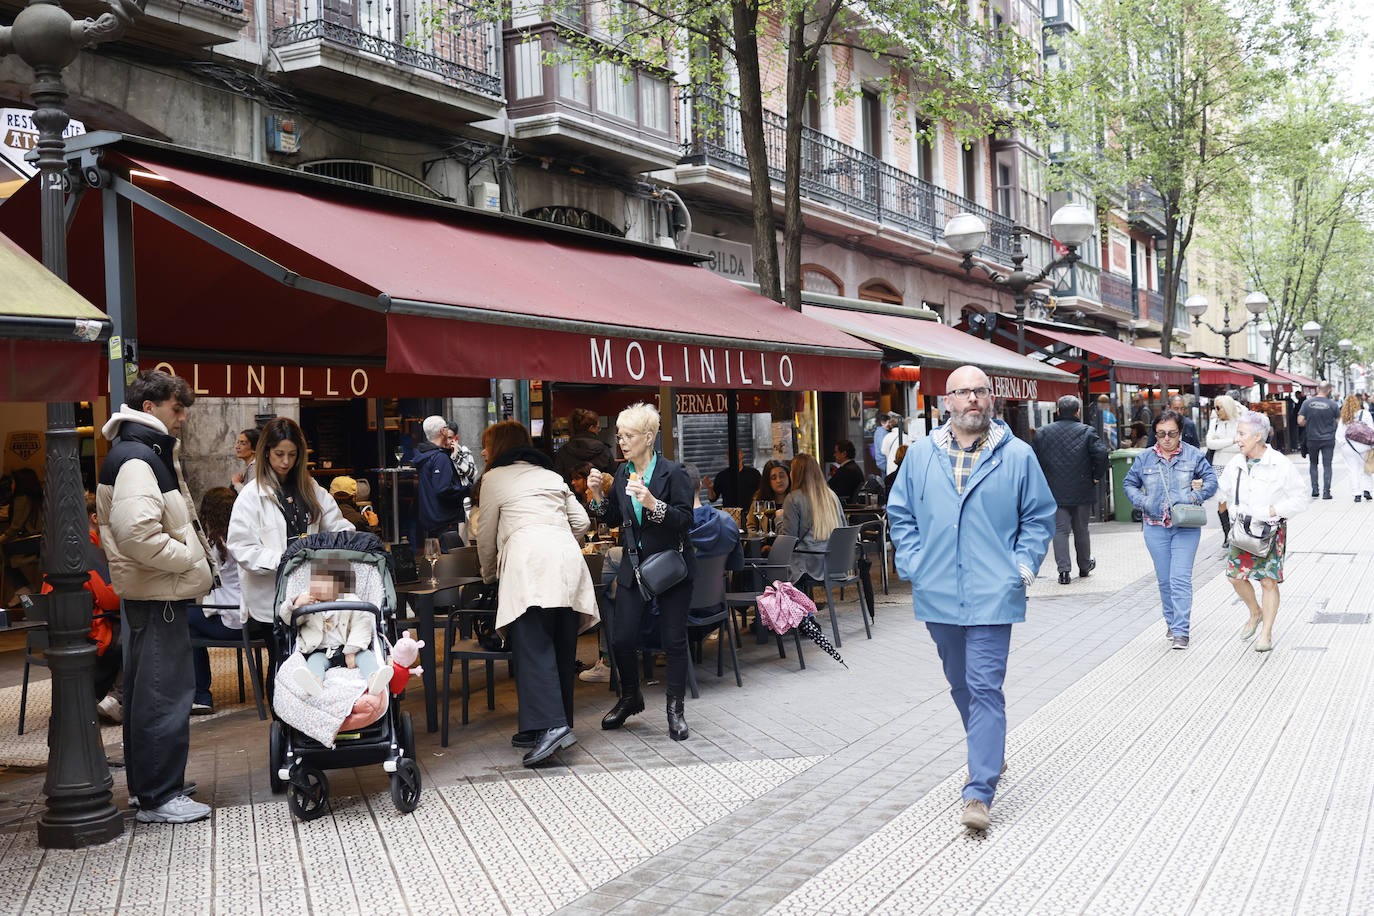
(1262, 374)
(49, 370)
(941, 349)
(432, 288)
(1211, 372)
(1308, 384)
(1131, 364)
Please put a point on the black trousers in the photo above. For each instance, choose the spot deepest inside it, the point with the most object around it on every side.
(1326, 451)
(1075, 519)
(672, 618)
(158, 683)
(544, 646)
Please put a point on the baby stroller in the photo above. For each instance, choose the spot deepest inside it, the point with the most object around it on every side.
(297, 762)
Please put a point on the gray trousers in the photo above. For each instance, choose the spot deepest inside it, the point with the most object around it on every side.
(158, 684)
(1076, 518)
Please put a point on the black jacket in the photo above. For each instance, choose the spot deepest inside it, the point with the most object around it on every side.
(584, 447)
(439, 496)
(846, 480)
(670, 484)
(1072, 456)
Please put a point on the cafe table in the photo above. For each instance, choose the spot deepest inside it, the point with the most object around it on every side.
(419, 596)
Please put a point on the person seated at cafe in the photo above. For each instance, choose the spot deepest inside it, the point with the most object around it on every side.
(733, 485)
(774, 485)
(847, 476)
(26, 522)
(245, 450)
(810, 512)
(345, 491)
(584, 447)
(578, 482)
(109, 658)
(220, 615)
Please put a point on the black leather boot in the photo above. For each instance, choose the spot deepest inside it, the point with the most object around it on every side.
(677, 719)
(626, 706)
(1224, 516)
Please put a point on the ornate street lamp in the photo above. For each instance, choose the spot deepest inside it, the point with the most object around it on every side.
(1256, 303)
(1312, 330)
(79, 811)
(1345, 345)
(1072, 225)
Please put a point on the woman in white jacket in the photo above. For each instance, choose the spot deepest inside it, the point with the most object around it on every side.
(1221, 448)
(281, 502)
(1264, 485)
(1352, 411)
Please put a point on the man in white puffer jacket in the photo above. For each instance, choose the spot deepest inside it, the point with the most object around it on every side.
(159, 562)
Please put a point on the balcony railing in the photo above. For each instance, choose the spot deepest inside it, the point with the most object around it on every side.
(446, 39)
(1152, 305)
(228, 6)
(1116, 293)
(1080, 281)
(832, 172)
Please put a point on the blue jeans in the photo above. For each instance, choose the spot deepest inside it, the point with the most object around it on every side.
(1173, 551)
(206, 627)
(975, 663)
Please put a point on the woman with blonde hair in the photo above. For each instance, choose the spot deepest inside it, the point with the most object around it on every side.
(1352, 451)
(650, 500)
(810, 512)
(1221, 448)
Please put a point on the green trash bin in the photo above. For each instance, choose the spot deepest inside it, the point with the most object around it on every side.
(1121, 460)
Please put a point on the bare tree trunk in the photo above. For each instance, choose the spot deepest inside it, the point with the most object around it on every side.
(798, 65)
(745, 15)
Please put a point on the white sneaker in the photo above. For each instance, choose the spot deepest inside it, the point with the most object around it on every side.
(307, 682)
(379, 681)
(597, 674)
(110, 710)
(177, 810)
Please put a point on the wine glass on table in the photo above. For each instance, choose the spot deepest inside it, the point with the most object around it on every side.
(399, 452)
(432, 554)
(770, 510)
(756, 510)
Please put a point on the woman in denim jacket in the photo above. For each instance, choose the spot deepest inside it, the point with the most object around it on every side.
(1169, 473)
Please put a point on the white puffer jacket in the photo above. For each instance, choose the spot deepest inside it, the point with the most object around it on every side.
(148, 525)
(257, 539)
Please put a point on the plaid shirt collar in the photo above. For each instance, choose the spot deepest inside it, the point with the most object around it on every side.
(962, 460)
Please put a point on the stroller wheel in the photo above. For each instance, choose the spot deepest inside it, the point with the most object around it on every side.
(276, 756)
(308, 793)
(405, 785)
(405, 735)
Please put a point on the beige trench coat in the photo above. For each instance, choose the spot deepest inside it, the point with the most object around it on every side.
(526, 539)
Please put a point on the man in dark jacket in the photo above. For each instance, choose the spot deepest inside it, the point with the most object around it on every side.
(439, 494)
(848, 476)
(1074, 459)
(1178, 404)
(584, 446)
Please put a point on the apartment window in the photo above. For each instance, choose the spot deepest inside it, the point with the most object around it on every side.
(615, 94)
(880, 291)
(871, 112)
(1006, 189)
(811, 110)
(653, 103)
(817, 279)
(970, 162)
(924, 154)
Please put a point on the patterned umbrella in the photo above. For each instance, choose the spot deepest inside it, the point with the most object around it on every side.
(783, 607)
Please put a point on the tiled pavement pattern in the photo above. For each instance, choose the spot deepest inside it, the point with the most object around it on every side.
(813, 790)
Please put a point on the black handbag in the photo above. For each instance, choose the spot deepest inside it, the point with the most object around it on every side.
(660, 572)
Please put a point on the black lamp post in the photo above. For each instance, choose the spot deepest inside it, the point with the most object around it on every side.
(1072, 225)
(1256, 304)
(79, 811)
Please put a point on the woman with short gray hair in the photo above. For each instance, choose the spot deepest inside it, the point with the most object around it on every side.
(1263, 485)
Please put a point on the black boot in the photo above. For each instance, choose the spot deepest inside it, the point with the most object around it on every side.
(626, 706)
(1224, 516)
(677, 719)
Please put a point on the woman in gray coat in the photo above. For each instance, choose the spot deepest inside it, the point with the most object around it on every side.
(809, 513)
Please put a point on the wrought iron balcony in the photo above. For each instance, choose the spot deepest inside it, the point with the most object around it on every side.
(833, 173)
(445, 38)
(1080, 281)
(1116, 293)
(1152, 305)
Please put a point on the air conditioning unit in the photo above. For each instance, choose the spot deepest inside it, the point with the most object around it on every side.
(486, 195)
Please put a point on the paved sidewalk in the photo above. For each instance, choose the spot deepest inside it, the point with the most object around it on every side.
(1141, 779)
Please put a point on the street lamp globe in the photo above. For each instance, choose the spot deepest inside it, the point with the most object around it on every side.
(1196, 305)
(1072, 224)
(1312, 330)
(1257, 302)
(1345, 344)
(1266, 331)
(965, 233)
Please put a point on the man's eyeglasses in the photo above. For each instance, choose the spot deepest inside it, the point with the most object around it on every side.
(965, 393)
(1161, 434)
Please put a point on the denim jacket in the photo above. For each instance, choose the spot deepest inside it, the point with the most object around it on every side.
(1152, 484)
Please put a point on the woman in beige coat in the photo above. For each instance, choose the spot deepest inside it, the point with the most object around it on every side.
(526, 540)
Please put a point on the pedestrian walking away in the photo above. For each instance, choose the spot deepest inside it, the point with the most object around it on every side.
(1263, 487)
(1168, 484)
(1074, 461)
(1319, 417)
(971, 516)
(1221, 448)
(1354, 437)
(650, 501)
(159, 562)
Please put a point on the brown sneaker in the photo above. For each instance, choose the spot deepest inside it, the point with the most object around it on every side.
(975, 815)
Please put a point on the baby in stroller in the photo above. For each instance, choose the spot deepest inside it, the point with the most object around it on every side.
(334, 638)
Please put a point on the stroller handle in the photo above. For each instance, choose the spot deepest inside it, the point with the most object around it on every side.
(324, 606)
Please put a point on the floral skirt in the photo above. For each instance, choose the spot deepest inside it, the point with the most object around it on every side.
(1242, 565)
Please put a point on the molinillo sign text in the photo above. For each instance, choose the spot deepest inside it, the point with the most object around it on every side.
(686, 364)
(248, 380)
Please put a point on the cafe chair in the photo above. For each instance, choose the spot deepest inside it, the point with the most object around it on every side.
(741, 601)
(841, 569)
(450, 540)
(707, 612)
(463, 604)
(246, 647)
(780, 554)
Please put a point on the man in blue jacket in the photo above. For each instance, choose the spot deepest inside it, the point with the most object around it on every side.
(439, 494)
(971, 517)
